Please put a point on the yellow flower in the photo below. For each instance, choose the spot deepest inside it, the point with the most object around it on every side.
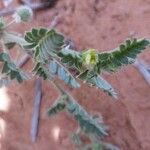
(90, 57)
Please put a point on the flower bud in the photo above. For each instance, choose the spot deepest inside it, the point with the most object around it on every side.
(90, 58)
(23, 14)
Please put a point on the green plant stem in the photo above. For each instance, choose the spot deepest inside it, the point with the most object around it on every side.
(63, 67)
(58, 87)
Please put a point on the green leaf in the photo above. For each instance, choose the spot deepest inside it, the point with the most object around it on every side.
(41, 71)
(10, 38)
(35, 35)
(57, 69)
(10, 69)
(53, 67)
(10, 45)
(92, 146)
(61, 73)
(70, 57)
(103, 84)
(86, 122)
(13, 74)
(5, 68)
(57, 107)
(93, 79)
(4, 57)
(29, 46)
(76, 139)
(12, 66)
(99, 146)
(19, 78)
(45, 43)
(123, 55)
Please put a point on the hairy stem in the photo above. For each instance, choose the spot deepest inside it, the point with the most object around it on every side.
(58, 87)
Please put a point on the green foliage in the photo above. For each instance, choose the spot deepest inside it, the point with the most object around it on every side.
(34, 36)
(105, 61)
(48, 46)
(56, 68)
(11, 39)
(96, 80)
(88, 65)
(99, 146)
(58, 106)
(96, 144)
(87, 123)
(45, 43)
(71, 58)
(76, 139)
(92, 146)
(123, 55)
(10, 69)
(52, 57)
(74, 59)
(41, 71)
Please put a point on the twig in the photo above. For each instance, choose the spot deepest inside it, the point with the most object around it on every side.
(143, 70)
(36, 110)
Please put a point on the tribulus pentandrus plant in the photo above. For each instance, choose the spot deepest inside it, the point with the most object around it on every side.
(53, 58)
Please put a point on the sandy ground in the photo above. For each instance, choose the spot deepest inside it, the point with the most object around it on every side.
(100, 24)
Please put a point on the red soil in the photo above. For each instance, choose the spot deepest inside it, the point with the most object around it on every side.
(101, 24)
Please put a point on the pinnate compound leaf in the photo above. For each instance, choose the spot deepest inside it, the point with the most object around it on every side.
(87, 123)
(10, 69)
(45, 43)
(123, 55)
(99, 82)
(70, 57)
(93, 79)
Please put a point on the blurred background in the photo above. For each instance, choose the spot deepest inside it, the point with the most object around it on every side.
(99, 24)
